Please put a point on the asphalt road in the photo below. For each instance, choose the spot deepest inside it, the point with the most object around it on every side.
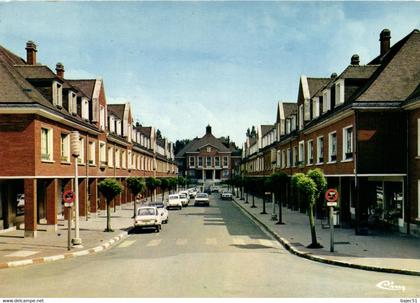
(211, 251)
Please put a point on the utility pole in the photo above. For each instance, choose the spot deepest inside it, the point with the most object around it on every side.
(75, 144)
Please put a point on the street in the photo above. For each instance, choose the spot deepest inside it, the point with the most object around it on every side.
(213, 251)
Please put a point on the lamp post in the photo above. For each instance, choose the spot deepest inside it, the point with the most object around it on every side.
(273, 196)
(75, 146)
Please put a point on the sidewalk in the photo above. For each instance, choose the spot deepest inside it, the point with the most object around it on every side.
(16, 250)
(387, 252)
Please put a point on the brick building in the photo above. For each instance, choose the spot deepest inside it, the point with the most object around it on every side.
(361, 128)
(209, 159)
(38, 110)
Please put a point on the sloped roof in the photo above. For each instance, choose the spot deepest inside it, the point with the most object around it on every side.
(85, 86)
(399, 74)
(9, 57)
(315, 84)
(145, 130)
(196, 144)
(35, 72)
(117, 109)
(289, 109)
(265, 129)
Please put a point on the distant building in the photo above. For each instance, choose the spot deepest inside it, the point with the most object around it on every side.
(209, 158)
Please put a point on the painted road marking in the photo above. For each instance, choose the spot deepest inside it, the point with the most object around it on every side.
(126, 243)
(211, 241)
(154, 242)
(22, 253)
(181, 241)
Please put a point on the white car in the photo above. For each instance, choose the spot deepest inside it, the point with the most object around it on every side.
(214, 188)
(226, 195)
(185, 200)
(163, 212)
(192, 192)
(174, 201)
(202, 199)
(148, 216)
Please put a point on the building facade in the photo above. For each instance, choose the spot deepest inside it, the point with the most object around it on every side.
(361, 128)
(38, 111)
(209, 159)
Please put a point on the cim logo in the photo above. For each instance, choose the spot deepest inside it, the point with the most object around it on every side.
(390, 285)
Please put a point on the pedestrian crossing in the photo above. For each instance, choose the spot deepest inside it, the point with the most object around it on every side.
(213, 242)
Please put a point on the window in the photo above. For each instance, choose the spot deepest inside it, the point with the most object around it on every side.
(348, 143)
(111, 124)
(225, 174)
(102, 118)
(326, 100)
(119, 130)
(46, 144)
(129, 159)
(208, 149)
(123, 159)
(301, 155)
(110, 157)
(293, 126)
(288, 126)
(418, 137)
(295, 156)
(117, 158)
(92, 153)
(339, 92)
(315, 107)
(320, 149)
(57, 94)
(289, 157)
(208, 161)
(278, 160)
(225, 161)
(200, 161)
(102, 152)
(307, 115)
(192, 161)
(85, 108)
(65, 148)
(301, 116)
(332, 147)
(283, 158)
(310, 152)
(81, 158)
(217, 161)
(72, 100)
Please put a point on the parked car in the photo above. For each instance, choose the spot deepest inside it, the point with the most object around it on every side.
(202, 199)
(174, 201)
(226, 195)
(192, 192)
(162, 211)
(20, 207)
(215, 188)
(148, 216)
(185, 200)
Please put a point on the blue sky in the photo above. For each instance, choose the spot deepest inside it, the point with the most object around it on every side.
(183, 65)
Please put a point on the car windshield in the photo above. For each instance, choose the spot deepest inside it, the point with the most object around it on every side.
(202, 195)
(183, 195)
(146, 212)
(173, 197)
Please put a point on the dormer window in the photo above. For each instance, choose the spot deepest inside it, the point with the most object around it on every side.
(293, 126)
(288, 126)
(111, 124)
(339, 92)
(301, 116)
(307, 114)
(72, 100)
(85, 108)
(326, 100)
(119, 131)
(315, 107)
(57, 94)
(102, 118)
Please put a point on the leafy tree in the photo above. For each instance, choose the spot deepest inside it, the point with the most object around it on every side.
(180, 144)
(109, 188)
(172, 183)
(151, 184)
(308, 191)
(137, 186)
(296, 195)
(181, 181)
(158, 183)
(164, 185)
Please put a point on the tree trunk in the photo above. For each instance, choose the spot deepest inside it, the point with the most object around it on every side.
(314, 243)
(134, 211)
(108, 216)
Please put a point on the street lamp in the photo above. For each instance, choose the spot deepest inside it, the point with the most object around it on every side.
(75, 146)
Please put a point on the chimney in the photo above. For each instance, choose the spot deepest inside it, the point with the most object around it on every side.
(333, 75)
(59, 68)
(30, 53)
(355, 60)
(208, 130)
(385, 38)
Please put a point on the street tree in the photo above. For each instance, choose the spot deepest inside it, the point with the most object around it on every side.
(181, 181)
(278, 184)
(164, 185)
(137, 186)
(296, 195)
(151, 184)
(109, 188)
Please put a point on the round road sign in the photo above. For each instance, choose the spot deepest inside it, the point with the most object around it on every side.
(68, 196)
(331, 195)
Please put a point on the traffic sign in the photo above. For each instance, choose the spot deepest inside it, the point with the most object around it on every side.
(331, 195)
(331, 203)
(68, 197)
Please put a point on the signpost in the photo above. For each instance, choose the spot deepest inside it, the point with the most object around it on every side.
(68, 198)
(331, 195)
